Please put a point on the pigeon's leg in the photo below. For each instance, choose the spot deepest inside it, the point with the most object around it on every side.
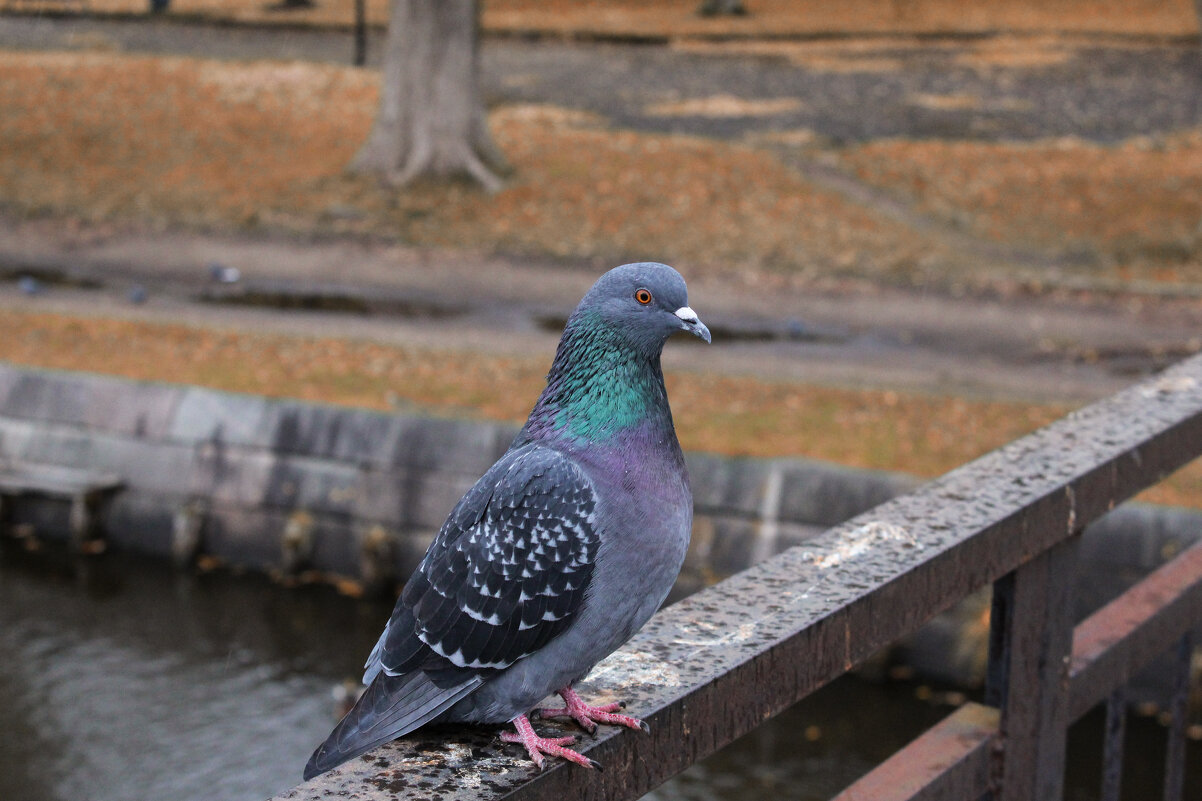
(537, 746)
(589, 716)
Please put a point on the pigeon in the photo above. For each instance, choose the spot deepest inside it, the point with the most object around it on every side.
(29, 285)
(558, 554)
(223, 274)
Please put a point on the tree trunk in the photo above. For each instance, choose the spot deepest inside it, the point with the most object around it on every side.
(431, 121)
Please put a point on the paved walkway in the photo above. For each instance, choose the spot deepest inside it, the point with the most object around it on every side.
(1051, 349)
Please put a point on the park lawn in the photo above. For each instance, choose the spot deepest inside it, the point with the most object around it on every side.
(262, 146)
(1136, 205)
(157, 143)
(925, 435)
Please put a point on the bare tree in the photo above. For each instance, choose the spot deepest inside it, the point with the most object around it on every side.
(431, 121)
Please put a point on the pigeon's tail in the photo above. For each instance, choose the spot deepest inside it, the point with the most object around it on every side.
(391, 707)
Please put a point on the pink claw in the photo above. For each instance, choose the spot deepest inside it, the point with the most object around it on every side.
(537, 746)
(589, 716)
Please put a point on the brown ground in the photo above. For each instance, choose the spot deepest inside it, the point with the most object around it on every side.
(1137, 205)
(166, 142)
(772, 18)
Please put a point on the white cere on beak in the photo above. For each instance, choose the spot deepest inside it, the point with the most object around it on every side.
(686, 314)
(692, 323)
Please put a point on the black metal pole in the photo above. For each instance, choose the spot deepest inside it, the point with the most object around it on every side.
(1174, 767)
(360, 33)
(1112, 748)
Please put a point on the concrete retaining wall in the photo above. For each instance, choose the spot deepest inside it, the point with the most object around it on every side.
(279, 483)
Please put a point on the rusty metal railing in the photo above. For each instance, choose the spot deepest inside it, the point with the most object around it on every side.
(719, 663)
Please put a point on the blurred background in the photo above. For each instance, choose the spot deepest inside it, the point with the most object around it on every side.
(917, 229)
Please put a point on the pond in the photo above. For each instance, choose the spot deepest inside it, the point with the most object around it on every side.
(124, 679)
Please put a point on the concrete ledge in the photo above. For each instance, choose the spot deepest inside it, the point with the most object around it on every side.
(250, 465)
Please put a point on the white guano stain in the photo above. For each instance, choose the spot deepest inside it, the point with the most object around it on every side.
(859, 541)
(1169, 384)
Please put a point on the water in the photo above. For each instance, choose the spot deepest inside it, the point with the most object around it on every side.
(123, 679)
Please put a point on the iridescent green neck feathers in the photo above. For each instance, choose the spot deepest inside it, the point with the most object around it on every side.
(598, 387)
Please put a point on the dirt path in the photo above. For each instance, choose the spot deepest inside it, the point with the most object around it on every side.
(1070, 348)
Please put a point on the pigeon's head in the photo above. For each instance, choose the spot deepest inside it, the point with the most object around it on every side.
(644, 304)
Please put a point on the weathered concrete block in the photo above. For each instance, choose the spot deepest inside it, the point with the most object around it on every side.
(329, 432)
(46, 395)
(9, 377)
(228, 474)
(241, 536)
(722, 546)
(388, 496)
(411, 498)
(826, 495)
(790, 534)
(1123, 547)
(453, 446)
(726, 485)
(411, 547)
(315, 485)
(139, 409)
(149, 465)
(336, 547)
(65, 445)
(239, 476)
(221, 418)
(141, 521)
(1140, 536)
(14, 437)
(48, 518)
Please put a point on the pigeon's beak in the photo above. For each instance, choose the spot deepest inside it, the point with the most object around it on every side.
(691, 323)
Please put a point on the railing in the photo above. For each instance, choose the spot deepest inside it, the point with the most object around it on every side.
(719, 663)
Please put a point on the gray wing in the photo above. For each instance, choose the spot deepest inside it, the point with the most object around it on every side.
(506, 573)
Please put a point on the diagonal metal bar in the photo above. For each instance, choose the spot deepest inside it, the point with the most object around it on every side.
(1109, 647)
(716, 665)
(950, 760)
(1115, 642)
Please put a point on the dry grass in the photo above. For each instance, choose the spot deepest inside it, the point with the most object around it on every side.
(675, 18)
(921, 434)
(163, 142)
(149, 142)
(1133, 210)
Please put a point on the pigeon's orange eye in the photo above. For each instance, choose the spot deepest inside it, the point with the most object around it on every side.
(642, 296)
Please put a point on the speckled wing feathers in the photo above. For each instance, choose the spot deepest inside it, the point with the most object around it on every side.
(506, 572)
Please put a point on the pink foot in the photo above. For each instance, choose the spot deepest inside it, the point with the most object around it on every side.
(537, 746)
(589, 716)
